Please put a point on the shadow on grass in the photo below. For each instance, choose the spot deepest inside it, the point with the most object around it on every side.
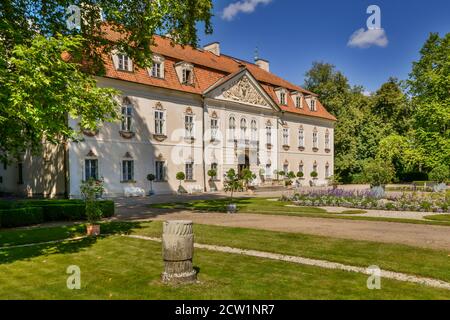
(210, 205)
(61, 243)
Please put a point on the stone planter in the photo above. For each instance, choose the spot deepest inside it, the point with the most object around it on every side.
(178, 250)
(231, 208)
(93, 230)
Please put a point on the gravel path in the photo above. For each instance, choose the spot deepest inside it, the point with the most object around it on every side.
(314, 262)
(418, 235)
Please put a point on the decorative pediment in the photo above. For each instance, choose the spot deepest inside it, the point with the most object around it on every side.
(242, 90)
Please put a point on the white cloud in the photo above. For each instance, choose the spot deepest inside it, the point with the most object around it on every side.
(366, 38)
(246, 6)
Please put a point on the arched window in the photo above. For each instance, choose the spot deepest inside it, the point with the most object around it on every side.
(243, 129)
(301, 167)
(232, 128)
(269, 133)
(327, 140)
(315, 139)
(127, 115)
(189, 123)
(286, 136)
(254, 129)
(301, 137)
(214, 126)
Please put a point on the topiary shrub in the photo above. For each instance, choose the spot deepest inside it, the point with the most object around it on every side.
(11, 218)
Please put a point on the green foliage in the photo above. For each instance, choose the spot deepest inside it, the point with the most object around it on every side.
(180, 176)
(314, 174)
(377, 172)
(440, 174)
(40, 89)
(212, 173)
(291, 175)
(11, 218)
(300, 174)
(90, 190)
(151, 177)
(232, 182)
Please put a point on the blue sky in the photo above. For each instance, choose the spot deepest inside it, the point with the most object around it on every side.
(291, 34)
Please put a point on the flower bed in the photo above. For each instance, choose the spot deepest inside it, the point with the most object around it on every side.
(366, 199)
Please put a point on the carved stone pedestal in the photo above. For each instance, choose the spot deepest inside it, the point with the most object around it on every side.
(178, 250)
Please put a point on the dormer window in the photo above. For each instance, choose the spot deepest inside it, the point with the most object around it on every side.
(281, 95)
(123, 62)
(313, 105)
(157, 69)
(187, 76)
(283, 98)
(185, 72)
(298, 101)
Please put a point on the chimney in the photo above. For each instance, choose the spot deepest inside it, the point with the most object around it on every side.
(213, 47)
(263, 64)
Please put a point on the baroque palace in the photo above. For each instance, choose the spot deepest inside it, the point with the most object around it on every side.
(193, 111)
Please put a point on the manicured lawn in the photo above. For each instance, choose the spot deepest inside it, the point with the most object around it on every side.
(439, 217)
(121, 268)
(115, 267)
(269, 206)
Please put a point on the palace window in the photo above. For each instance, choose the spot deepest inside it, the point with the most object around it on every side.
(327, 140)
(127, 170)
(187, 76)
(127, 115)
(232, 128)
(315, 166)
(285, 136)
(243, 129)
(159, 122)
(301, 138)
(301, 168)
(254, 131)
(156, 70)
(123, 62)
(215, 168)
(298, 101)
(90, 169)
(269, 134)
(160, 170)
(282, 97)
(315, 139)
(189, 126)
(214, 128)
(189, 171)
(313, 105)
(327, 170)
(286, 168)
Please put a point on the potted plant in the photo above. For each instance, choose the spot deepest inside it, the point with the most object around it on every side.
(89, 190)
(232, 183)
(314, 174)
(151, 177)
(212, 174)
(180, 177)
(300, 175)
(289, 176)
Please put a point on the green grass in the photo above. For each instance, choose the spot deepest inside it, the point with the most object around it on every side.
(439, 217)
(122, 268)
(400, 258)
(268, 206)
(350, 212)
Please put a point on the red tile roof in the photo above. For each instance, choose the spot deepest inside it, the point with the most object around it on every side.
(208, 70)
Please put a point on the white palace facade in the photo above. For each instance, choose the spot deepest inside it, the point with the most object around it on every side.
(193, 111)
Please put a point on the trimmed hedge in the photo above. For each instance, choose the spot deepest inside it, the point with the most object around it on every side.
(10, 218)
(51, 210)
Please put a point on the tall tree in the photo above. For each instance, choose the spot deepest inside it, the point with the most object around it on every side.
(429, 85)
(47, 68)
